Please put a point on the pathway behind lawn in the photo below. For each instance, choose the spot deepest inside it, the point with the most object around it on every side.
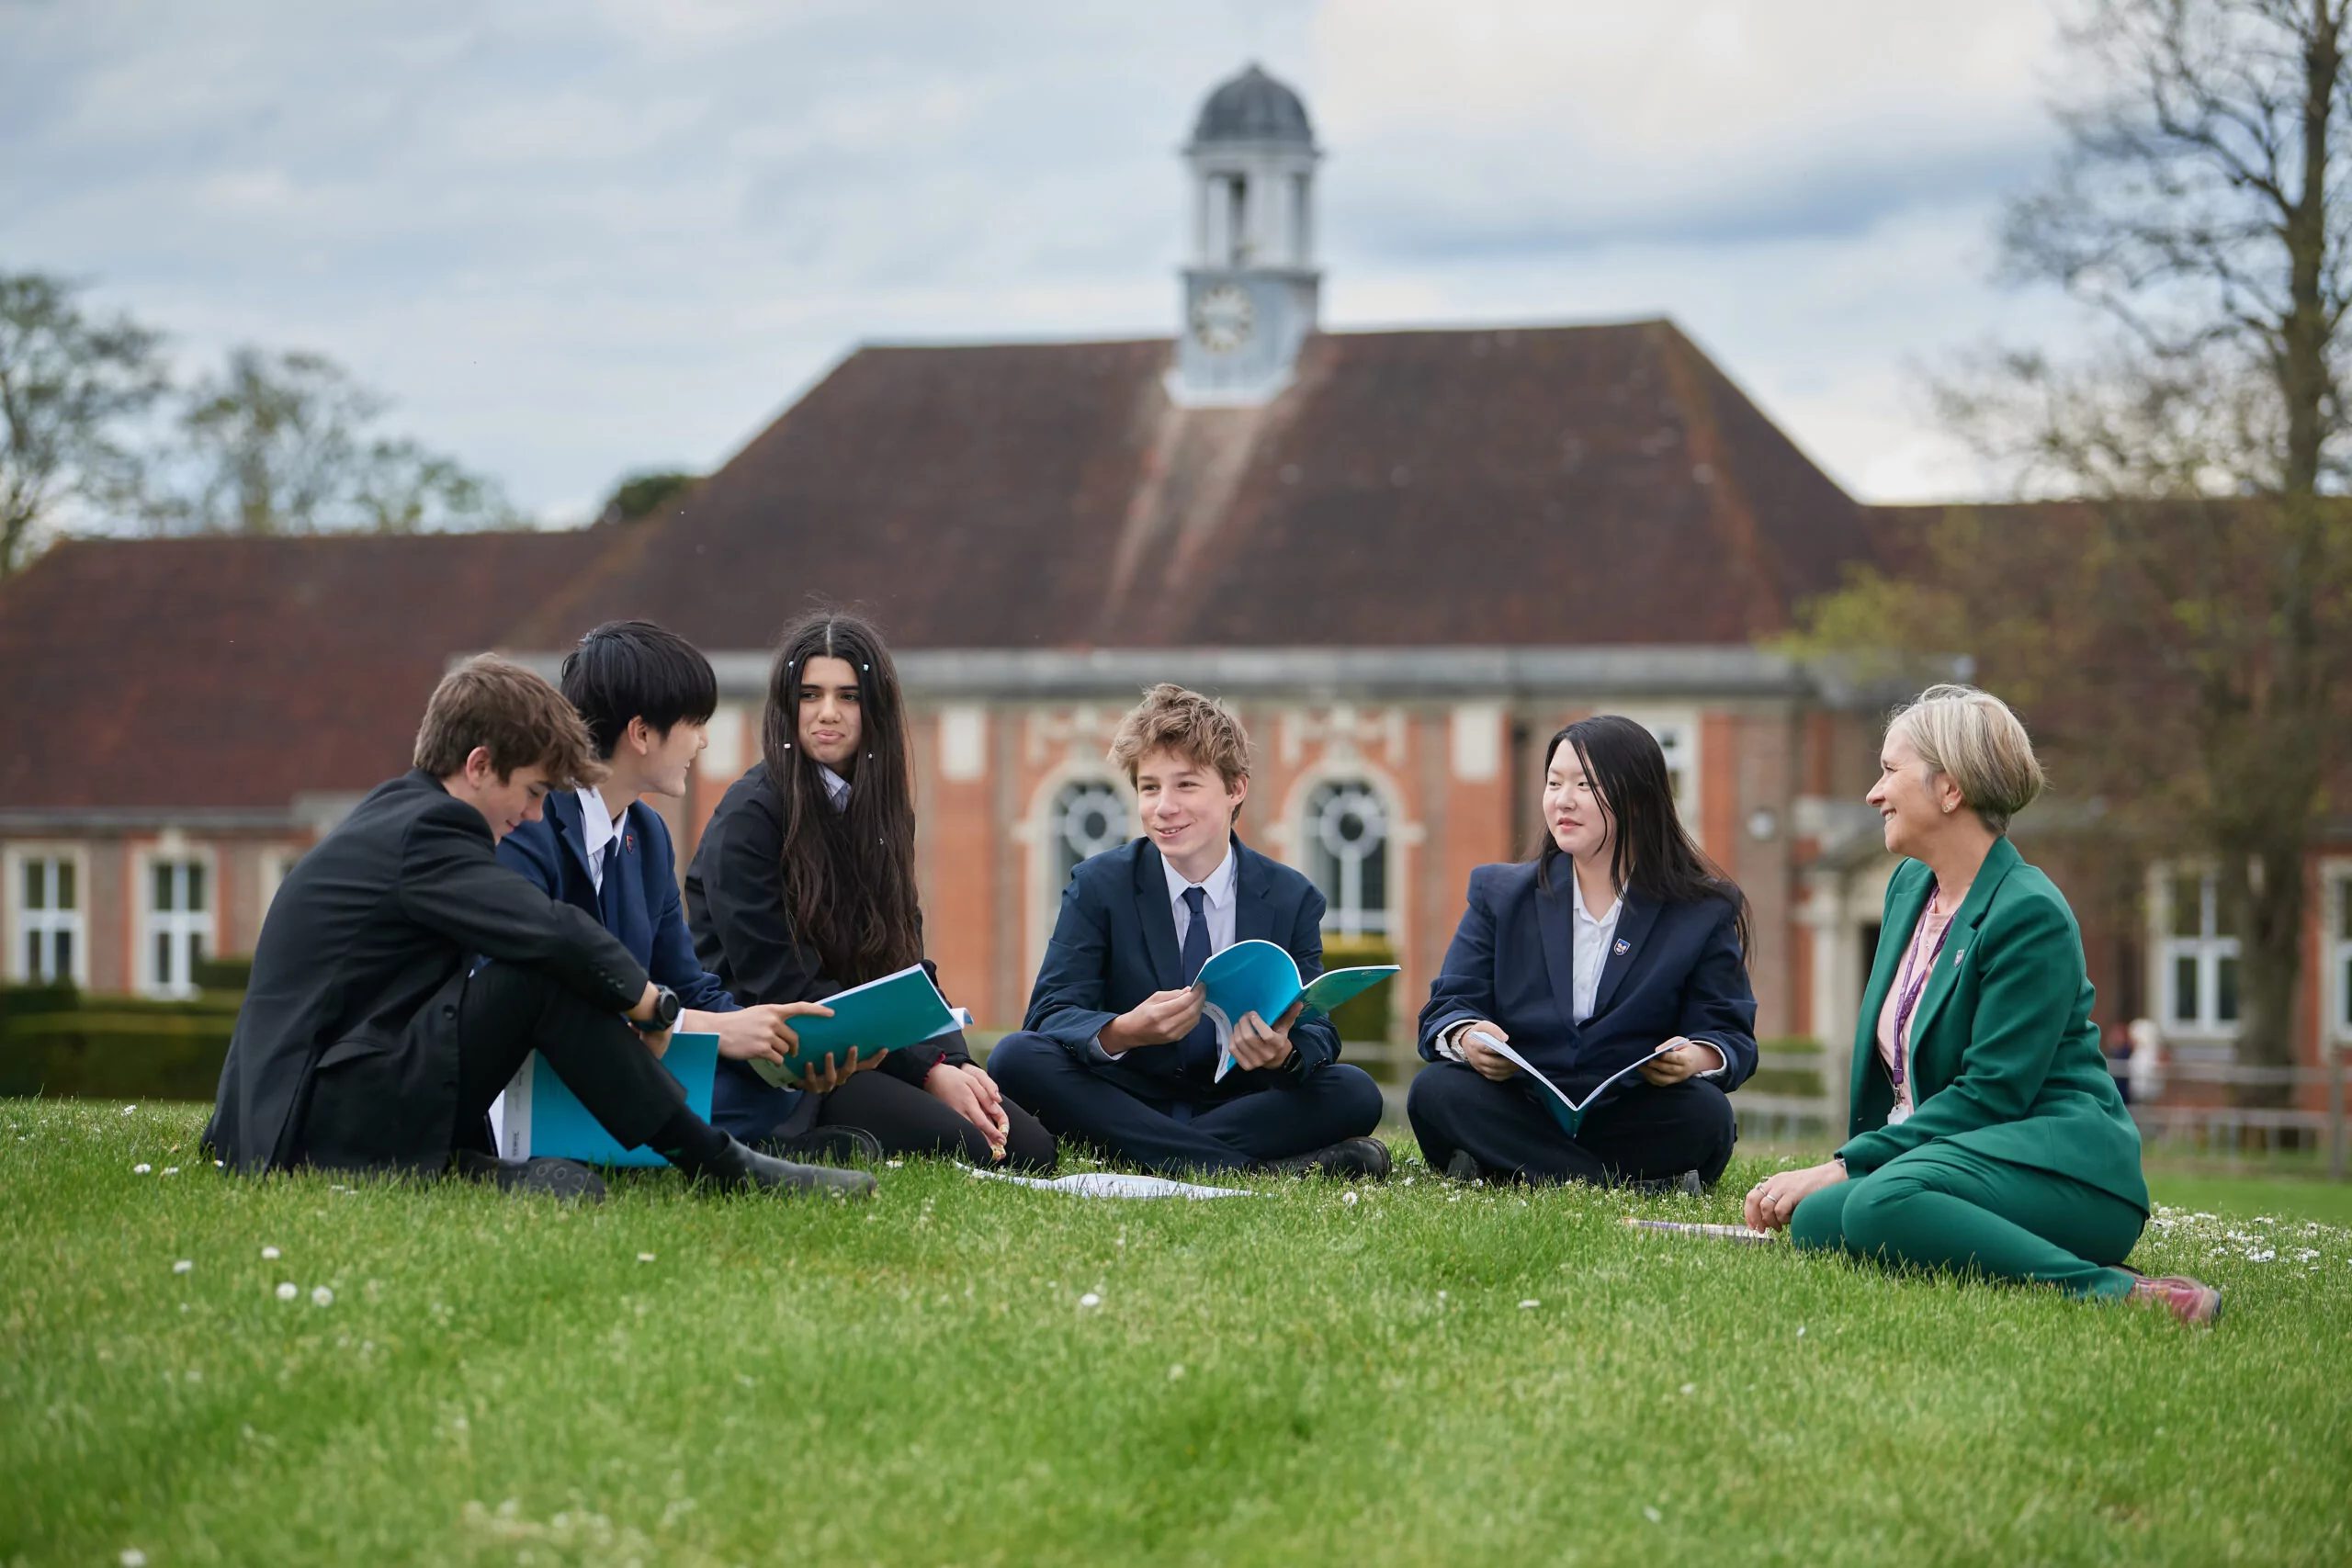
(965, 1373)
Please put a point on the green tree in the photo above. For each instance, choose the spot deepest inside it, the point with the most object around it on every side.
(283, 444)
(71, 386)
(644, 492)
(2180, 634)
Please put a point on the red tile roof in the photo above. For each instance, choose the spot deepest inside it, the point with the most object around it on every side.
(1562, 485)
(235, 673)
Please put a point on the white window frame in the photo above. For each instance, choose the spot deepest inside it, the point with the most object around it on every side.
(1677, 732)
(178, 925)
(22, 921)
(276, 862)
(2336, 947)
(1339, 920)
(2207, 950)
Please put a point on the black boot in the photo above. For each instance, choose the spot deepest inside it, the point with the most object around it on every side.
(713, 1159)
(554, 1177)
(827, 1145)
(1355, 1159)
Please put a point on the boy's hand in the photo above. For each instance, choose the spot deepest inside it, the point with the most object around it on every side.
(1160, 1019)
(1257, 1043)
(759, 1031)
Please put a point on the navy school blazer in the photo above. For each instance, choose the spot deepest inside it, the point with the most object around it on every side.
(640, 903)
(1114, 943)
(1673, 969)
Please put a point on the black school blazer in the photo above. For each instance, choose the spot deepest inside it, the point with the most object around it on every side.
(1673, 969)
(345, 1050)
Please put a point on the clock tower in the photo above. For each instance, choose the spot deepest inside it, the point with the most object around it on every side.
(1252, 291)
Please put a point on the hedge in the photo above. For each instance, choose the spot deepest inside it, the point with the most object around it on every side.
(55, 1041)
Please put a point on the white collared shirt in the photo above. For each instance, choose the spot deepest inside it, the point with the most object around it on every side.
(1592, 938)
(836, 787)
(597, 829)
(1218, 885)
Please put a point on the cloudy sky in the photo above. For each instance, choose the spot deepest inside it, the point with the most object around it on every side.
(571, 241)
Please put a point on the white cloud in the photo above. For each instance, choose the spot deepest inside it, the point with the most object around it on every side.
(567, 243)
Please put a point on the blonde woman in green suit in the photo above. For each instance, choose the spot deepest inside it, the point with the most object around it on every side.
(1986, 1131)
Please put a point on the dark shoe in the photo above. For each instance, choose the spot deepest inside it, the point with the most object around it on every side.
(550, 1178)
(825, 1145)
(745, 1170)
(1689, 1183)
(1464, 1166)
(2191, 1301)
(1353, 1159)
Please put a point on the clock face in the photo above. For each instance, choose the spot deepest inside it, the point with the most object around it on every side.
(1222, 319)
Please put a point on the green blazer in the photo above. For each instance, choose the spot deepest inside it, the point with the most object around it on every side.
(2005, 1058)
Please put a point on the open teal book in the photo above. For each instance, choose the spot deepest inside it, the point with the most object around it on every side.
(1568, 1113)
(889, 1014)
(1260, 978)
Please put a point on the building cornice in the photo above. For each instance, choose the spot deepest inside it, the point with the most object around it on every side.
(1331, 673)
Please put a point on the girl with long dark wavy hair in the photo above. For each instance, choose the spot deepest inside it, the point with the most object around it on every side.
(1619, 938)
(804, 885)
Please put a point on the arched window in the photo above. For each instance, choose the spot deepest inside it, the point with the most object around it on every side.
(1089, 816)
(1347, 855)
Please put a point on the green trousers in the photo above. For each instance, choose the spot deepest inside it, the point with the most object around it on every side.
(1942, 1207)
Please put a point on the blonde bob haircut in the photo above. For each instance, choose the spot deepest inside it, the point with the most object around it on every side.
(1972, 738)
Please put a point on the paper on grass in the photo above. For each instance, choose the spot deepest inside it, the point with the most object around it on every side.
(1115, 1184)
(1569, 1113)
(1260, 977)
(1739, 1233)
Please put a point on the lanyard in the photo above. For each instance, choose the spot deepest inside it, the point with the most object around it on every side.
(1907, 989)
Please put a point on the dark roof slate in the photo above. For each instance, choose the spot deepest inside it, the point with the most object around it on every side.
(237, 673)
(1559, 485)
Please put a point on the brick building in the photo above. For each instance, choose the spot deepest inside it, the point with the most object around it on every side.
(1406, 557)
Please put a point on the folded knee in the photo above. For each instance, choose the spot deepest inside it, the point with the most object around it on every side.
(1017, 1060)
(1357, 1097)
(1877, 1212)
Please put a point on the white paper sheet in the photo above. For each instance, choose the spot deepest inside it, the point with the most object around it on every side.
(1115, 1184)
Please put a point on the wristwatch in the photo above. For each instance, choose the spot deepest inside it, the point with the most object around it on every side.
(665, 1013)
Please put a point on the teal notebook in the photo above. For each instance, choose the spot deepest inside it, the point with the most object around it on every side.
(540, 1117)
(889, 1014)
(1568, 1113)
(1260, 978)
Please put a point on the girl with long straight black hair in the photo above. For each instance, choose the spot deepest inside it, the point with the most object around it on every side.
(804, 885)
(1617, 939)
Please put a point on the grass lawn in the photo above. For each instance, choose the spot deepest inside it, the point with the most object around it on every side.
(1412, 1373)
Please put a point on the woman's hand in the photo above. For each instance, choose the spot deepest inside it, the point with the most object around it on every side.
(1489, 1063)
(1772, 1200)
(1688, 1059)
(1257, 1043)
(824, 1077)
(973, 1095)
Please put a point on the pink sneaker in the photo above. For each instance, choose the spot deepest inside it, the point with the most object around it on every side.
(2191, 1301)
